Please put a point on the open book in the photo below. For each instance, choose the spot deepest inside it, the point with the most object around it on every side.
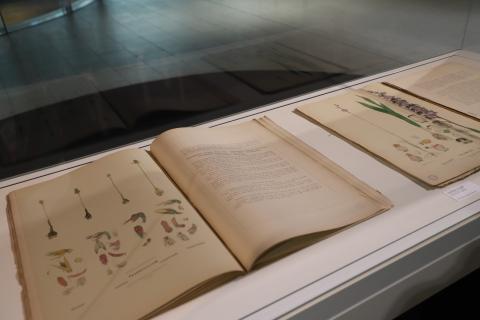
(136, 233)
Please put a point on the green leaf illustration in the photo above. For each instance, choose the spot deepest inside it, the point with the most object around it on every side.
(372, 107)
(380, 107)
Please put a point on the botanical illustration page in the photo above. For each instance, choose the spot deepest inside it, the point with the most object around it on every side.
(429, 142)
(112, 240)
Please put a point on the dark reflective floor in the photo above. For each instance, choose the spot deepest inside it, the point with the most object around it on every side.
(121, 70)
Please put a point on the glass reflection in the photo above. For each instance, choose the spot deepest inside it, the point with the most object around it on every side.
(118, 71)
(19, 14)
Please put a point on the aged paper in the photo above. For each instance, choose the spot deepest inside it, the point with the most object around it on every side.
(431, 143)
(455, 84)
(257, 188)
(112, 240)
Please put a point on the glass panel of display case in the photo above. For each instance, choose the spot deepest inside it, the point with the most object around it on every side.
(114, 72)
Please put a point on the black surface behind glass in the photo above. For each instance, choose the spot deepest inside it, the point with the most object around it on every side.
(116, 72)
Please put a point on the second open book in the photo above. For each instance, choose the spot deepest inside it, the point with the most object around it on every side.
(135, 233)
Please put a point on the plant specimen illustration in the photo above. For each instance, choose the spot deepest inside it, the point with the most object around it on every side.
(168, 211)
(172, 211)
(136, 219)
(420, 111)
(166, 226)
(137, 216)
(182, 236)
(192, 229)
(380, 107)
(158, 191)
(88, 215)
(69, 273)
(386, 130)
(167, 241)
(108, 250)
(124, 200)
(51, 233)
(97, 238)
(172, 202)
(177, 224)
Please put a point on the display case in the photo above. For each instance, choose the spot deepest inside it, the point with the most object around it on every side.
(85, 109)
(376, 269)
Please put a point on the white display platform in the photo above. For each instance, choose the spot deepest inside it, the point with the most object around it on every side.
(377, 268)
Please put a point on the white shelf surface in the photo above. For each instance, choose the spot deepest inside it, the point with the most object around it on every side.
(314, 273)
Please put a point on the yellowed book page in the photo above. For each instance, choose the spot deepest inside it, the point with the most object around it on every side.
(257, 189)
(429, 142)
(454, 84)
(112, 240)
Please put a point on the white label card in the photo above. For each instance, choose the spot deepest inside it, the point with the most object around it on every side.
(462, 191)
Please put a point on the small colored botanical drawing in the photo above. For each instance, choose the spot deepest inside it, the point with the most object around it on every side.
(156, 190)
(68, 275)
(107, 249)
(51, 233)
(177, 224)
(88, 215)
(172, 202)
(124, 200)
(136, 216)
(192, 229)
(168, 211)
